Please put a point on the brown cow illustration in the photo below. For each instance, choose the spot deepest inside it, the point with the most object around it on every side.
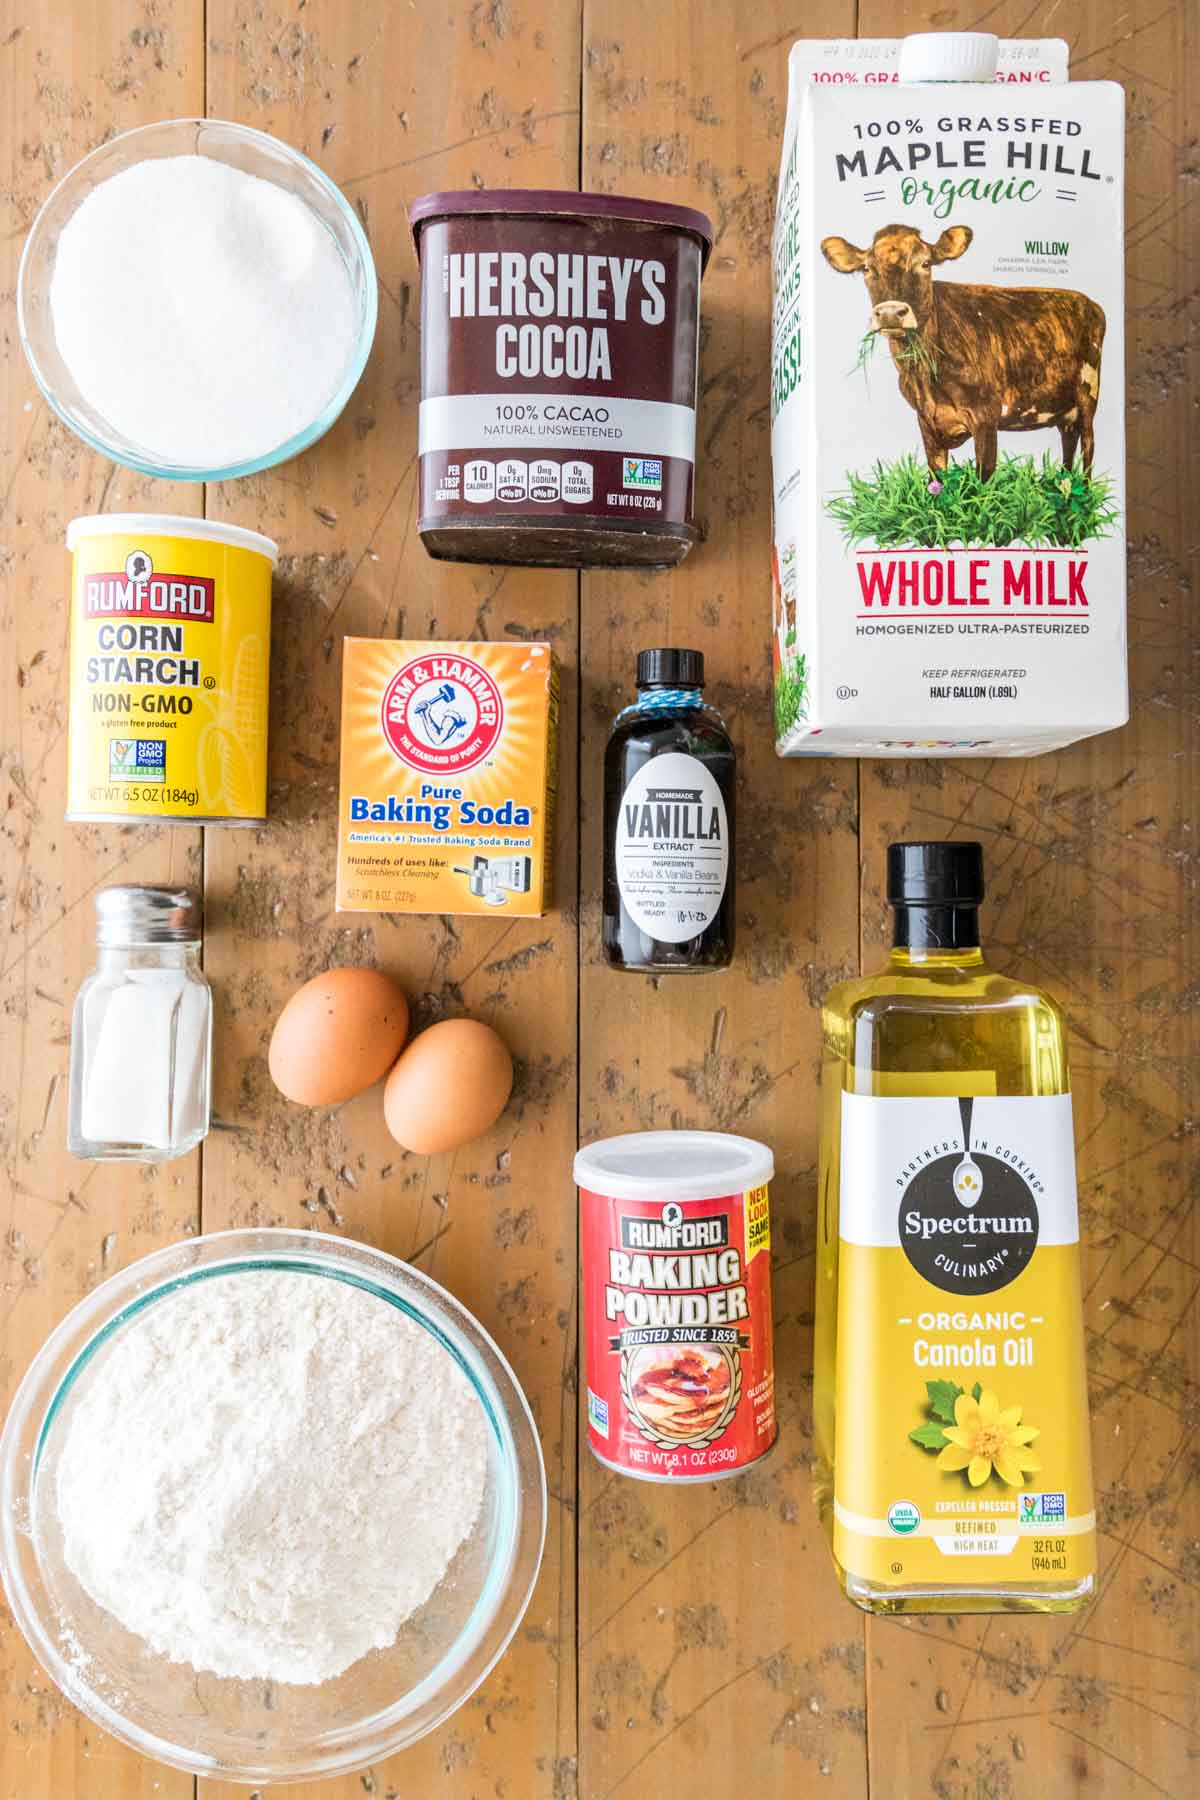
(976, 360)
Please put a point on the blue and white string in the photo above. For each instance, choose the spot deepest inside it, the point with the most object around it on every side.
(658, 700)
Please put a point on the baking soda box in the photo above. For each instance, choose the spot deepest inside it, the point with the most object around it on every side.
(448, 779)
(948, 401)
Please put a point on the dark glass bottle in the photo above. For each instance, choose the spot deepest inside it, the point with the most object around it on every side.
(669, 779)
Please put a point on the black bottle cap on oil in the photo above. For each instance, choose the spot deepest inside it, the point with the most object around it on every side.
(935, 874)
(670, 668)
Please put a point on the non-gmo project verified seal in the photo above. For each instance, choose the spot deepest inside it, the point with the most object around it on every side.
(643, 472)
(1043, 1509)
(597, 1413)
(137, 759)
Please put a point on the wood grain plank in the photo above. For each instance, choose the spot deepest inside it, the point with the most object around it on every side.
(394, 101)
(67, 82)
(716, 1655)
(1093, 873)
(714, 1649)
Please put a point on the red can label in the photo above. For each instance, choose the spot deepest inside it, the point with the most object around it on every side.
(680, 1357)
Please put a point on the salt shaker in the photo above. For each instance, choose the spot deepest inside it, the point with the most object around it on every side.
(141, 1036)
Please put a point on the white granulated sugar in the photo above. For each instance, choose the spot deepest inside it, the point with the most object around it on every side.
(206, 314)
(268, 1473)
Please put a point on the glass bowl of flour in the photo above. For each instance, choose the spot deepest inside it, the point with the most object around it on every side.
(197, 300)
(272, 1505)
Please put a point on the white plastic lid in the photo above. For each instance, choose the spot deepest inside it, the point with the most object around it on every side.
(949, 56)
(179, 525)
(673, 1165)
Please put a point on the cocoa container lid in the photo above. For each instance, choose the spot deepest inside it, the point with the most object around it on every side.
(560, 204)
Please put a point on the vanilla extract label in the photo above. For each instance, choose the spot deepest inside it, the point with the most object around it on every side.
(669, 813)
(672, 847)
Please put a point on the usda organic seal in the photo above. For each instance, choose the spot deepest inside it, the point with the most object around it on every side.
(903, 1517)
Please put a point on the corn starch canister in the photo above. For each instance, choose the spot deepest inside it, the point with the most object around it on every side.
(170, 643)
(675, 1239)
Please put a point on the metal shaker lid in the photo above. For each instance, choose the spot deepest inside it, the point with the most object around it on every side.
(148, 915)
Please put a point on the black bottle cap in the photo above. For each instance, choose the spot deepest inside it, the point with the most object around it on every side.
(935, 874)
(670, 668)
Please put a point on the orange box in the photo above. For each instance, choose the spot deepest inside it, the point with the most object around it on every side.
(449, 777)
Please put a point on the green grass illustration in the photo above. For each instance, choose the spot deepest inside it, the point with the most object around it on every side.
(1025, 502)
(913, 350)
(791, 692)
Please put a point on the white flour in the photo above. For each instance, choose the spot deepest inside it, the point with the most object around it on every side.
(205, 313)
(268, 1473)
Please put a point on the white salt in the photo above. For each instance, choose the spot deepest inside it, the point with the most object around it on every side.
(206, 314)
(144, 1037)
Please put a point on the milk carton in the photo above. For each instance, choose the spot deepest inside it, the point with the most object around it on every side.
(948, 401)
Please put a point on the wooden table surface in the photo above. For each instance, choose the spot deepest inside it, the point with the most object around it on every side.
(691, 1641)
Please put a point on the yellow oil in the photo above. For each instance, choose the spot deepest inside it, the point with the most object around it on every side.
(929, 1019)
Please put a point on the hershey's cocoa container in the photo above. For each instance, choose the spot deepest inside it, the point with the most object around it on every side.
(559, 337)
(675, 1246)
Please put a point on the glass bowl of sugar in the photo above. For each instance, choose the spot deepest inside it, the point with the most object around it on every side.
(197, 300)
(272, 1505)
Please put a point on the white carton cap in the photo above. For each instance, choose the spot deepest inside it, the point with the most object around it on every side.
(949, 56)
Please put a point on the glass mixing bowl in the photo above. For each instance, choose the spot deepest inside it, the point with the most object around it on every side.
(253, 1731)
(255, 153)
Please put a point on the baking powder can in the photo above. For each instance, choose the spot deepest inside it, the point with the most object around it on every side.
(675, 1244)
(170, 651)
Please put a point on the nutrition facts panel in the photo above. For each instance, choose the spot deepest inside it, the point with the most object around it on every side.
(515, 479)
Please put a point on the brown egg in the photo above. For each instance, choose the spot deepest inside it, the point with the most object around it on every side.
(450, 1085)
(337, 1034)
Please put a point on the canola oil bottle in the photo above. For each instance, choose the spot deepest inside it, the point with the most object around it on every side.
(953, 1462)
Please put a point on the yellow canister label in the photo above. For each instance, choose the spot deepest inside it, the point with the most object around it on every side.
(962, 1446)
(170, 648)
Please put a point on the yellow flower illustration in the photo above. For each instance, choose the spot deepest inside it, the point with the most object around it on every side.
(983, 1438)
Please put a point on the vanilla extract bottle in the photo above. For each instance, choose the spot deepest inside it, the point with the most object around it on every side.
(953, 1468)
(669, 776)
